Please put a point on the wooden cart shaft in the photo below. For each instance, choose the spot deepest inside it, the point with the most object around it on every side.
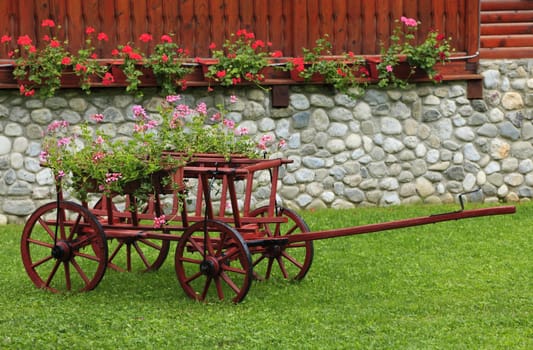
(391, 225)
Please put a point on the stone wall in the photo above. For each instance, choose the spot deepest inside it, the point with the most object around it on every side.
(425, 144)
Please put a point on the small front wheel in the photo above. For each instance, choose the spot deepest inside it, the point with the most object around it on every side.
(213, 261)
(292, 260)
(64, 248)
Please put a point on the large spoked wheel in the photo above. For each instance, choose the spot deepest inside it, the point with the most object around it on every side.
(64, 248)
(133, 253)
(213, 261)
(294, 259)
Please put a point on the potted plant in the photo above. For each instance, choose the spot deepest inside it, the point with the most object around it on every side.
(404, 57)
(39, 68)
(86, 65)
(169, 63)
(200, 130)
(85, 161)
(347, 72)
(243, 58)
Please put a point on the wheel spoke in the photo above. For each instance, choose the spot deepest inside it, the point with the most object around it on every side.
(52, 273)
(230, 282)
(66, 267)
(141, 254)
(206, 287)
(282, 267)
(116, 250)
(42, 261)
(193, 277)
(218, 284)
(40, 243)
(44, 224)
(80, 271)
(292, 260)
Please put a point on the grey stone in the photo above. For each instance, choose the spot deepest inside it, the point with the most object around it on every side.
(56, 103)
(42, 116)
(313, 162)
(19, 207)
(254, 111)
(301, 120)
(319, 100)
(430, 115)
(508, 130)
(299, 102)
(488, 130)
(491, 79)
(391, 126)
(337, 130)
(354, 195)
(340, 114)
(456, 173)
(522, 150)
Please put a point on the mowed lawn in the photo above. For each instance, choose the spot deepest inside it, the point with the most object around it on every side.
(464, 284)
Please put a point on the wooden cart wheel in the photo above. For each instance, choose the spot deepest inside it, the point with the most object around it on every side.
(213, 261)
(73, 260)
(134, 253)
(294, 259)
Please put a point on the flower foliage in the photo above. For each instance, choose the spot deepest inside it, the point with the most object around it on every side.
(85, 160)
(435, 48)
(85, 63)
(167, 63)
(39, 67)
(202, 130)
(347, 73)
(241, 58)
(132, 59)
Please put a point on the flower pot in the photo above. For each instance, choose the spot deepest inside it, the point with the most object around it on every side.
(402, 71)
(316, 77)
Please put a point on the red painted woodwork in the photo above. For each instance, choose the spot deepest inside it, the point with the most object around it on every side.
(353, 25)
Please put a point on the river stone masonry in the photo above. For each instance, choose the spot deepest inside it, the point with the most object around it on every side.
(424, 144)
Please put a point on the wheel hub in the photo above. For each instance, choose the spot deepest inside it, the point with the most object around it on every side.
(209, 267)
(62, 251)
(274, 251)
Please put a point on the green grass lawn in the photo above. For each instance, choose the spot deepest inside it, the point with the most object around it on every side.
(456, 285)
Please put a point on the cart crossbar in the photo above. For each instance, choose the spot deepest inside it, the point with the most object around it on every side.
(431, 219)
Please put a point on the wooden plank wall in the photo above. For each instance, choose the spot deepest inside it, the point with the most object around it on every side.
(506, 28)
(353, 25)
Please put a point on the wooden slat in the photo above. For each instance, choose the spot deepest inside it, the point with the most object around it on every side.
(107, 26)
(507, 52)
(123, 19)
(201, 20)
(498, 5)
(506, 28)
(507, 16)
(299, 20)
(471, 29)
(260, 22)
(355, 33)
(507, 41)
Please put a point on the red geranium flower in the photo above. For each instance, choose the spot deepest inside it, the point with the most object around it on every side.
(145, 37)
(102, 36)
(48, 23)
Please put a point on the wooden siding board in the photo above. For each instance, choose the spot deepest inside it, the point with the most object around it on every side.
(497, 5)
(123, 21)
